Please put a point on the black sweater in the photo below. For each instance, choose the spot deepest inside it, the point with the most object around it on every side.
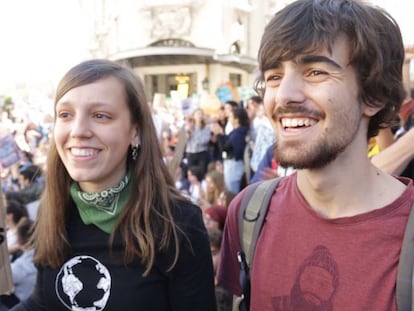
(93, 279)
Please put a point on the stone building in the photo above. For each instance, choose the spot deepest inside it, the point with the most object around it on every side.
(184, 45)
(187, 46)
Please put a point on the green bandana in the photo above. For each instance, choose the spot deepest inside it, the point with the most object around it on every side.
(101, 208)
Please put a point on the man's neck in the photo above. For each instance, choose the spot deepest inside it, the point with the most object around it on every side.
(348, 191)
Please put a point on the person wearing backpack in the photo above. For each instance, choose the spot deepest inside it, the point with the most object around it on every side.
(331, 77)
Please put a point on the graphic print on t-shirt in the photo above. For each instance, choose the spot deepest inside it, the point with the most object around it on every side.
(83, 284)
(315, 284)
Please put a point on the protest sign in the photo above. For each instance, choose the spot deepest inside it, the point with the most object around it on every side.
(9, 152)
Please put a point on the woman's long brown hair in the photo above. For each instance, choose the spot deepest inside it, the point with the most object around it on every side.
(146, 224)
(219, 186)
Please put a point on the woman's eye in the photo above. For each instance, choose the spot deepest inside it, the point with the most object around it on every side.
(63, 115)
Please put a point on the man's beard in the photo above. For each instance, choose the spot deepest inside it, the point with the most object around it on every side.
(316, 156)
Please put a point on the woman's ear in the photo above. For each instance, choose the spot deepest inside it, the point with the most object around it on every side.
(135, 140)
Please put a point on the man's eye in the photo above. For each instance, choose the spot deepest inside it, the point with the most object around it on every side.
(101, 116)
(273, 78)
(315, 73)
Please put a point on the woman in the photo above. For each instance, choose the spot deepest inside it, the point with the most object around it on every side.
(214, 186)
(215, 217)
(113, 232)
(232, 147)
(15, 211)
(197, 147)
(23, 270)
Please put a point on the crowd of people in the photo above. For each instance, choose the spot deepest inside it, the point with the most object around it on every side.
(214, 167)
(159, 196)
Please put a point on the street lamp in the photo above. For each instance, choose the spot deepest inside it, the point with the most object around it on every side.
(205, 84)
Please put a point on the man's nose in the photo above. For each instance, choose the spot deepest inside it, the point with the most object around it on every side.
(290, 89)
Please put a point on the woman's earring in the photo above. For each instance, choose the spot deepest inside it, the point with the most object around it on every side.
(135, 152)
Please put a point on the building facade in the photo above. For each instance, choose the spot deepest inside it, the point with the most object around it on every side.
(183, 46)
(187, 46)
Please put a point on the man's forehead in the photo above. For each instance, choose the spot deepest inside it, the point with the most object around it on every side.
(297, 52)
(337, 55)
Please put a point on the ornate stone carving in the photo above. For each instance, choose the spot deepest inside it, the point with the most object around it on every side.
(171, 22)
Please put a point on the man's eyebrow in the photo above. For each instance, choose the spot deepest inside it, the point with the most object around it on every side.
(309, 59)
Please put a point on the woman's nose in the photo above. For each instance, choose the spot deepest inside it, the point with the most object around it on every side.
(81, 127)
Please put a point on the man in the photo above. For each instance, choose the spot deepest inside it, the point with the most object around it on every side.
(398, 158)
(31, 186)
(269, 168)
(331, 77)
(261, 132)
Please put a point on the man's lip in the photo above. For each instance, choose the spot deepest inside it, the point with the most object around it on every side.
(297, 121)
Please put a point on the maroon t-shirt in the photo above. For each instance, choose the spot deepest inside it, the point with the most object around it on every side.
(306, 262)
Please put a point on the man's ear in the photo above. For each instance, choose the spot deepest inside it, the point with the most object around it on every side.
(370, 111)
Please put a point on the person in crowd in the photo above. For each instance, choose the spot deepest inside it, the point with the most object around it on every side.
(214, 181)
(221, 118)
(23, 269)
(264, 137)
(196, 149)
(225, 198)
(233, 146)
(214, 149)
(229, 106)
(32, 135)
(113, 232)
(180, 179)
(398, 158)
(31, 184)
(269, 167)
(224, 298)
(197, 184)
(331, 73)
(251, 105)
(215, 217)
(15, 211)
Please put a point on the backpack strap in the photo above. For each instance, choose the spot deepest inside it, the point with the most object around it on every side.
(405, 274)
(252, 214)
